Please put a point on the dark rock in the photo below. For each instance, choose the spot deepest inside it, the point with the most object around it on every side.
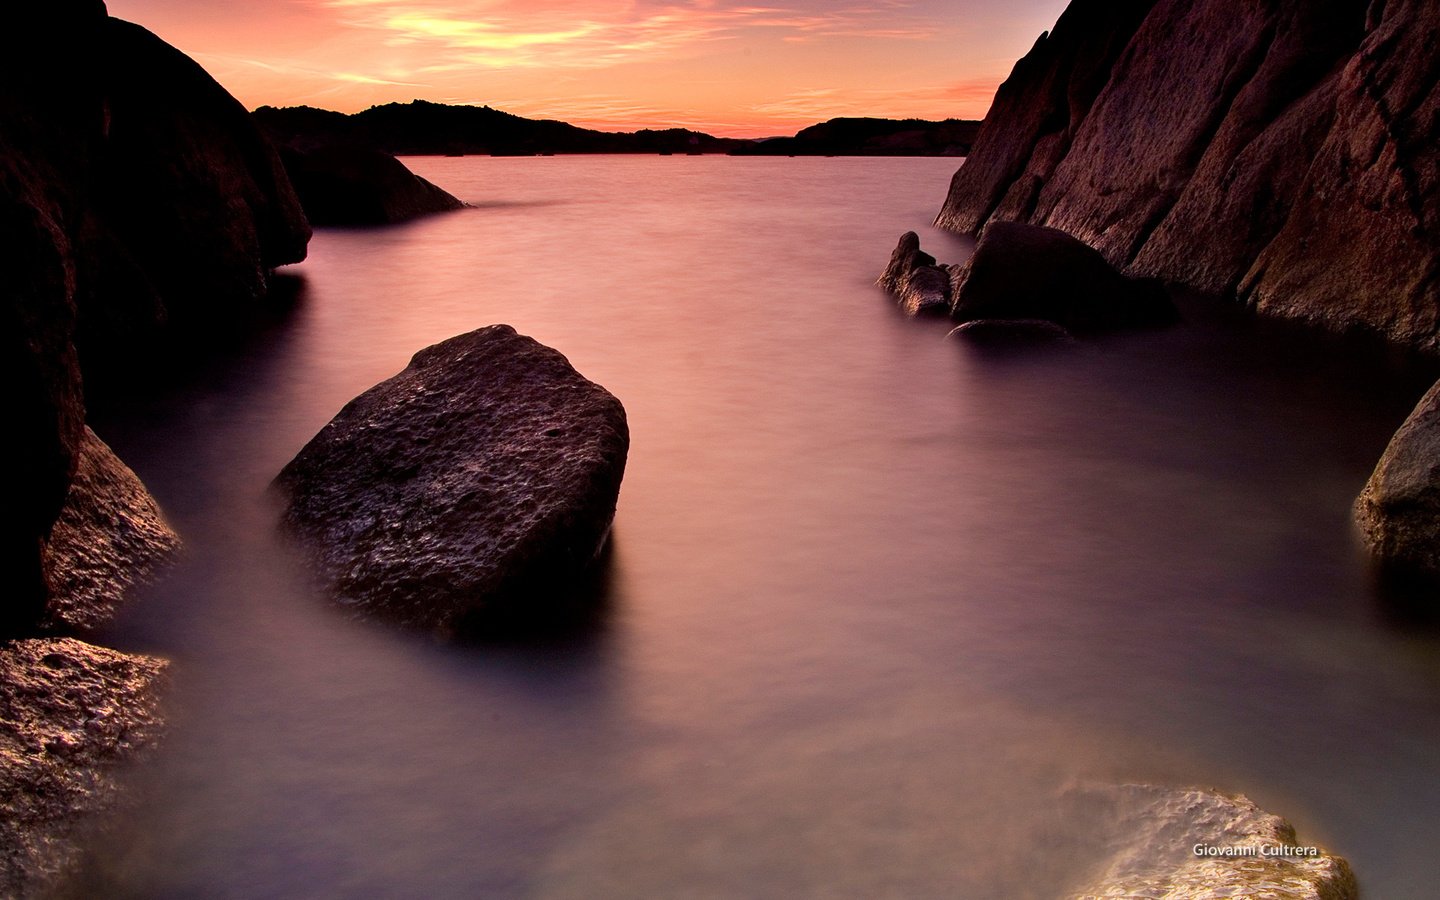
(907, 256)
(136, 200)
(1399, 510)
(1037, 111)
(1145, 837)
(110, 536)
(70, 715)
(1258, 148)
(1028, 272)
(849, 136)
(1011, 331)
(925, 291)
(351, 184)
(469, 491)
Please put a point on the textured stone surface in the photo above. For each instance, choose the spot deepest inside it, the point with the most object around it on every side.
(1399, 510)
(136, 198)
(1269, 148)
(109, 537)
(351, 184)
(906, 256)
(925, 291)
(1029, 272)
(1147, 835)
(70, 714)
(470, 490)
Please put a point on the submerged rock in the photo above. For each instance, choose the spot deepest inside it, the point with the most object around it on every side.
(471, 490)
(70, 714)
(110, 536)
(1399, 509)
(1029, 272)
(1011, 331)
(351, 184)
(1165, 842)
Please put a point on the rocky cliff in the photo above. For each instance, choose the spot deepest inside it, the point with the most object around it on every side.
(1283, 151)
(136, 199)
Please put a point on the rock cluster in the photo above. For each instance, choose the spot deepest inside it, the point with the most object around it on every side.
(1259, 148)
(470, 492)
(1024, 274)
(136, 199)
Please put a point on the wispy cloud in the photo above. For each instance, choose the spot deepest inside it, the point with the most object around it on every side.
(511, 33)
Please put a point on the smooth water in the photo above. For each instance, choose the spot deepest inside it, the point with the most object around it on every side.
(876, 599)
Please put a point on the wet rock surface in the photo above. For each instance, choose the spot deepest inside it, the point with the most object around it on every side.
(1028, 272)
(468, 493)
(109, 537)
(1148, 835)
(70, 714)
(1399, 509)
(1258, 148)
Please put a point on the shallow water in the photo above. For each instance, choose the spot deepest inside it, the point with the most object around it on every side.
(876, 599)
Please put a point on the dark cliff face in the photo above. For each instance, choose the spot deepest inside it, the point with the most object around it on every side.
(135, 198)
(1282, 150)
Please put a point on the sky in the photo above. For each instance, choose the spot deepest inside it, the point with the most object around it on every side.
(736, 68)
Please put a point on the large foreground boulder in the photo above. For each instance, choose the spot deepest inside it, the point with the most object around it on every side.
(343, 183)
(70, 715)
(470, 491)
(1399, 510)
(1029, 272)
(1165, 842)
(110, 536)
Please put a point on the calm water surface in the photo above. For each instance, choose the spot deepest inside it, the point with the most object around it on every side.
(876, 597)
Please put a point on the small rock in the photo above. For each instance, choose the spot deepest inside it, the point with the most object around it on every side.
(907, 256)
(1011, 331)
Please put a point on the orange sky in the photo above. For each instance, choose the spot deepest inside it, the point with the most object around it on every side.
(744, 68)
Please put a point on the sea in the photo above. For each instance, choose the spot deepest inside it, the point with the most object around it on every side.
(879, 600)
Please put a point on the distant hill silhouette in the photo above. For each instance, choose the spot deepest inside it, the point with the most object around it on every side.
(422, 128)
(873, 137)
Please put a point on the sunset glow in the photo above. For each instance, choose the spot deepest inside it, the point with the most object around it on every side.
(729, 68)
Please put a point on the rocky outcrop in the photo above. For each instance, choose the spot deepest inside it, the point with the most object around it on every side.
(1164, 842)
(136, 199)
(109, 537)
(1268, 149)
(70, 714)
(1029, 272)
(351, 184)
(1399, 510)
(925, 291)
(906, 258)
(468, 492)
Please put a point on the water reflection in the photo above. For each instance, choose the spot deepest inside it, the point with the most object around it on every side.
(877, 598)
